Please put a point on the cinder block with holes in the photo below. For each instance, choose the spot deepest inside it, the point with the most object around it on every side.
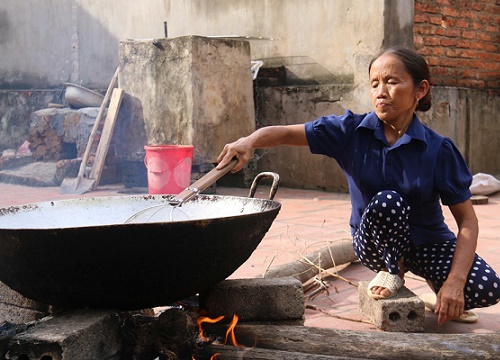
(71, 335)
(404, 312)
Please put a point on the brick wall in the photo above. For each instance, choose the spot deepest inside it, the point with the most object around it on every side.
(461, 41)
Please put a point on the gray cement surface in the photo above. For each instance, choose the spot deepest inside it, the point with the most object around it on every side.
(33, 174)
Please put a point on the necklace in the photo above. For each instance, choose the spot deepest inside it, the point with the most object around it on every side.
(392, 134)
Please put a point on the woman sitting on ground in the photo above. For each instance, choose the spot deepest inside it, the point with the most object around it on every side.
(398, 171)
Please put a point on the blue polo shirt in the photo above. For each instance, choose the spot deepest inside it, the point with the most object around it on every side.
(423, 166)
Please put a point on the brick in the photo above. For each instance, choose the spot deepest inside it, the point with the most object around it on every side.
(468, 34)
(262, 299)
(404, 312)
(435, 20)
(448, 42)
(484, 37)
(79, 334)
(449, 11)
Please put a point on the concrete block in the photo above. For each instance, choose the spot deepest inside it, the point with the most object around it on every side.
(79, 334)
(18, 309)
(404, 312)
(18, 315)
(265, 300)
(11, 297)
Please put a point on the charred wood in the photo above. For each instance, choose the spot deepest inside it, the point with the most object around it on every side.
(168, 336)
(365, 344)
(228, 352)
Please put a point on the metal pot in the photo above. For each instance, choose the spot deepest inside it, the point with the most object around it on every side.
(79, 97)
(79, 253)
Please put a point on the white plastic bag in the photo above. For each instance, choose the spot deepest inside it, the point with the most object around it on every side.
(484, 184)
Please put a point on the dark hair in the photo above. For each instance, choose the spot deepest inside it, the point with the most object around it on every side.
(416, 66)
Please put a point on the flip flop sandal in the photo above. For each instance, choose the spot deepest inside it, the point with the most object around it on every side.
(386, 280)
(468, 317)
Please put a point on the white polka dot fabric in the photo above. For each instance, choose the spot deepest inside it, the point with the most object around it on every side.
(384, 238)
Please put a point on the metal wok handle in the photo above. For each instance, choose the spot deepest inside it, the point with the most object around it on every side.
(203, 183)
(274, 185)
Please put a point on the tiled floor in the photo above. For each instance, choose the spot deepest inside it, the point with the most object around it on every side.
(310, 220)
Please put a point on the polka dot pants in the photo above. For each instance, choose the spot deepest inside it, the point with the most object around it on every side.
(383, 239)
(384, 233)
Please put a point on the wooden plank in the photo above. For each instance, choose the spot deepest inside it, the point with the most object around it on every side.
(364, 344)
(76, 186)
(107, 132)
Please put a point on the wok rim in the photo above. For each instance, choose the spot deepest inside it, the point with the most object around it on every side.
(271, 205)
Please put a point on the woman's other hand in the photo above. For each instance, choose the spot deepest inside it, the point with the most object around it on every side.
(450, 301)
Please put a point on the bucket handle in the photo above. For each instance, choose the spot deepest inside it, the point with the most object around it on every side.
(274, 185)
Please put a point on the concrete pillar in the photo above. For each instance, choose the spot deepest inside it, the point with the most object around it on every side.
(189, 90)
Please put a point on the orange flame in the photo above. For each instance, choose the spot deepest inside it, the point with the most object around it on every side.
(206, 319)
(213, 357)
(230, 332)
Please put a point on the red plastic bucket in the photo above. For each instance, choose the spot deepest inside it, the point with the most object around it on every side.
(169, 168)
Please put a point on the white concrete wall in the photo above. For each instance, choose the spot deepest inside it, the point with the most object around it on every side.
(46, 43)
(334, 39)
(326, 32)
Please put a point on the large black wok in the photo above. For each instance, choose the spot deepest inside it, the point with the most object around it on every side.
(80, 253)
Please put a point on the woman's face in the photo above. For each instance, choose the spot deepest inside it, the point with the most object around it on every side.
(393, 94)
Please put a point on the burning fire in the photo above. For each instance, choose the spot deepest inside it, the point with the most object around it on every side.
(206, 319)
(229, 333)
